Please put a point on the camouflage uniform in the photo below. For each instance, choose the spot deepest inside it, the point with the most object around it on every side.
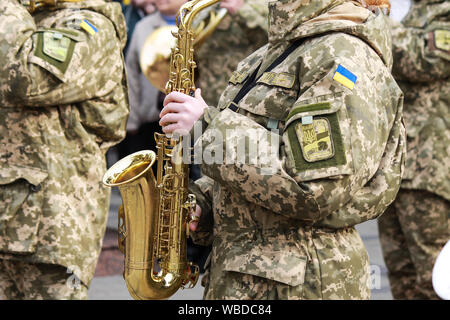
(236, 37)
(416, 226)
(282, 224)
(63, 103)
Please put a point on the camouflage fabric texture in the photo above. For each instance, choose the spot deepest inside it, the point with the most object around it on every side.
(416, 227)
(63, 103)
(422, 67)
(28, 281)
(235, 38)
(280, 222)
(413, 230)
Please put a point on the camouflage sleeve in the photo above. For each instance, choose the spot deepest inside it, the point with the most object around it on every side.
(335, 137)
(421, 55)
(202, 189)
(64, 64)
(222, 142)
(254, 14)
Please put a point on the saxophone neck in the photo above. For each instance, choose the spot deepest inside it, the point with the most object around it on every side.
(189, 11)
(182, 64)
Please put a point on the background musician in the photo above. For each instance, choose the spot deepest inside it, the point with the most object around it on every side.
(63, 103)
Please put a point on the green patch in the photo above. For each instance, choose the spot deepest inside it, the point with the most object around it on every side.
(315, 139)
(308, 108)
(238, 77)
(55, 48)
(317, 146)
(284, 80)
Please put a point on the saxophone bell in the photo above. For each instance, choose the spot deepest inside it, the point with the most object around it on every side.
(150, 272)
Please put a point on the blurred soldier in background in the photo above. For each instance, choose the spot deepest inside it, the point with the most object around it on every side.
(239, 34)
(416, 226)
(134, 11)
(63, 103)
(145, 104)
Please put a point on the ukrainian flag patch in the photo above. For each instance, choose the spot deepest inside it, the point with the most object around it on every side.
(88, 27)
(345, 77)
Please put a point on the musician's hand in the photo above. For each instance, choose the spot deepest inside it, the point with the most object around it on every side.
(232, 6)
(193, 224)
(181, 111)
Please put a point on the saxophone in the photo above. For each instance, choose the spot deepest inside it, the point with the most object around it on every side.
(154, 216)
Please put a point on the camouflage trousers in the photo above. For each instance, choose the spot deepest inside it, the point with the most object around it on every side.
(337, 268)
(27, 281)
(240, 286)
(413, 230)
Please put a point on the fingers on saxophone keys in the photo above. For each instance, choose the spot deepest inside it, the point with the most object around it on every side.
(194, 217)
(193, 223)
(169, 118)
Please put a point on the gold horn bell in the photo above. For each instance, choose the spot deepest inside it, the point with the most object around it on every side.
(154, 58)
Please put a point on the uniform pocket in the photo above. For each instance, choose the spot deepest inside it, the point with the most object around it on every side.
(318, 139)
(281, 266)
(270, 98)
(21, 199)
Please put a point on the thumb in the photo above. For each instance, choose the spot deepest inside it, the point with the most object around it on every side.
(198, 94)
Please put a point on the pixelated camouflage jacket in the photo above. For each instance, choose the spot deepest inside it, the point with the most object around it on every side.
(255, 211)
(235, 38)
(421, 49)
(63, 102)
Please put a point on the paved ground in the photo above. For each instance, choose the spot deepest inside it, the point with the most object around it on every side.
(108, 283)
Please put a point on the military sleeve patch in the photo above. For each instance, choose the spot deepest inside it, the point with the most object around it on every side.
(238, 77)
(88, 27)
(345, 77)
(442, 40)
(284, 80)
(314, 136)
(56, 46)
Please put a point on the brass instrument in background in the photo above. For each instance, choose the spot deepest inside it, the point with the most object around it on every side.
(154, 57)
(153, 219)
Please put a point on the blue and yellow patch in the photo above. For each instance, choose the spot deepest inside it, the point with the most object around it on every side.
(345, 77)
(88, 27)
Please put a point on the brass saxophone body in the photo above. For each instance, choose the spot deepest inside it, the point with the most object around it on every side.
(154, 217)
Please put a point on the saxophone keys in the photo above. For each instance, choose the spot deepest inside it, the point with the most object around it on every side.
(192, 275)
